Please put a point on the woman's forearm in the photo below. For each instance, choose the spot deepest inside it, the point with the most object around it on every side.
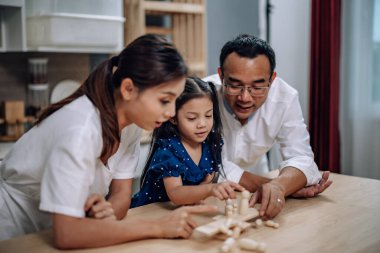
(120, 196)
(71, 232)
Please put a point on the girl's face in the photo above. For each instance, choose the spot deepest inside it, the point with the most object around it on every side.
(153, 106)
(195, 120)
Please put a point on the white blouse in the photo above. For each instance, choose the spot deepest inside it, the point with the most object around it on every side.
(280, 120)
(56, 166)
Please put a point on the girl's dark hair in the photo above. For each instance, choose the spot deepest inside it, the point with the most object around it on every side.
(149, 61)
(194, 88)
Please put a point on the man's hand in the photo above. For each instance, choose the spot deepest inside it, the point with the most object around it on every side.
(272, 198)
(314, 190)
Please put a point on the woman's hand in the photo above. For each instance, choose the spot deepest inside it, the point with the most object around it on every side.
(98, 207)
(179, 224)
(225, 190)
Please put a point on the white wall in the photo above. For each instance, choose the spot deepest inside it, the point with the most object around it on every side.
(290, 39)
(290, 22)
(290, 35)
(225, 20)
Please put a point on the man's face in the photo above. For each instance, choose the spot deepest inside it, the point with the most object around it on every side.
(253, 74)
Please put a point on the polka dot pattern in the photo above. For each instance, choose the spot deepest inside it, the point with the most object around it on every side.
(172, 160)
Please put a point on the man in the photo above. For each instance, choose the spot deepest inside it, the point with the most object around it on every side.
(259, 109)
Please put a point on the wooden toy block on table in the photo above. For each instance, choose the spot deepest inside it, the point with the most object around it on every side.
(229, 226)
(221, 222)
(233, 218)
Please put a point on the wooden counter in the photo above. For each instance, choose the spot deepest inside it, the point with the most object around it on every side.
(345, 218)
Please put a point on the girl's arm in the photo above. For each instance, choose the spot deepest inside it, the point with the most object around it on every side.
(70, 232)
(180, 194)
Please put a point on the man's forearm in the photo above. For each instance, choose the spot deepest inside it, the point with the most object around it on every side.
(290, 180)
(252, 182)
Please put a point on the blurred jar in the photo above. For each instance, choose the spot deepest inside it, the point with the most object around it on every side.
(2, 127)
(38, 98)
(37, 70)
(38, 86)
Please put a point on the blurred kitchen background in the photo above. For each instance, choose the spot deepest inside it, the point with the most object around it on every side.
(48, 47)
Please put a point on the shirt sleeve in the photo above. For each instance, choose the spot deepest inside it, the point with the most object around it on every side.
(70, 171)
(294, 141)
(232, 171)
(212, 78)
(125, 161)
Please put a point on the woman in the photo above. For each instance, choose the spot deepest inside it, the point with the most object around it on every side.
(58, 172)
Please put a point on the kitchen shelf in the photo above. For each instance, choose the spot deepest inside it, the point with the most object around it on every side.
(72, 26)
(173, 7)
(67, 32)
(186, 27)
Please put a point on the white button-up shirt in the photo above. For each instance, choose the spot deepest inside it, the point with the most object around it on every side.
(56, 166)
(280, 120)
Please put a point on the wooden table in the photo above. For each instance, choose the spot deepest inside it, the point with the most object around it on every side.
(345, 218)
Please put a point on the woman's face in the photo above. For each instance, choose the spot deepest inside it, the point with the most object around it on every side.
(153, 106)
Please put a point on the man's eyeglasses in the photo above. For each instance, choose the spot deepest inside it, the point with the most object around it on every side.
(239, 89)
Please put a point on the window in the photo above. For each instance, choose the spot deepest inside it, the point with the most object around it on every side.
(360, 88)
(376, 52)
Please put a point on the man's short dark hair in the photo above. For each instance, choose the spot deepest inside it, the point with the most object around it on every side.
(248, 46)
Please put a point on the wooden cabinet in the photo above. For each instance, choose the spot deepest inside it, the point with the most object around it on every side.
(185, 26)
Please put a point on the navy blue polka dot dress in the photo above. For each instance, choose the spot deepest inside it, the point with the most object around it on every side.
(172, 160)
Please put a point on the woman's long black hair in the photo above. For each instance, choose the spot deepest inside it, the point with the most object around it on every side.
(148, 60)
(194, 88)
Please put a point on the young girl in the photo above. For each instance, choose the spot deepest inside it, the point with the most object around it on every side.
(58, 173)
(185, 159)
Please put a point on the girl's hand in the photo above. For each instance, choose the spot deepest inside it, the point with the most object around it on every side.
(179, 224)
(97, 207)
(225, 190)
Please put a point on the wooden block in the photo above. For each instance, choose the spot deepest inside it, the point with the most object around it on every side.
(13, 111)
(213, 228)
